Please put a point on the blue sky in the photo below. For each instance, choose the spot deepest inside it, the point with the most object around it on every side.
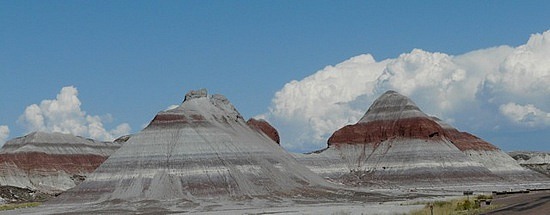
(127, 60)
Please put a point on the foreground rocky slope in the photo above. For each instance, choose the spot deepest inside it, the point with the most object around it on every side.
(202, 150)
(51, 162)
(396, 144)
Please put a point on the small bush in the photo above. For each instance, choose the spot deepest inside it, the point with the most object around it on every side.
(466, 205)
(463, 205)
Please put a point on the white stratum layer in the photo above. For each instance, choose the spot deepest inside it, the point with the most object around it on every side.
(495, 160)
(391, 106)
(388, 156)
(203, 148)
(58, 143)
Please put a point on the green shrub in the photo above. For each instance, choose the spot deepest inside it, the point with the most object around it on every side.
(466, 205)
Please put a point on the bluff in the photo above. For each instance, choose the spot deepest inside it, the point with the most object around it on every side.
(396, 144)
(536, 161)
(51, 162)
(202, 150)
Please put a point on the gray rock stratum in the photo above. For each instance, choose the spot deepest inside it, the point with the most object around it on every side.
(537, 161)
(51, 162)
(201, 150)
(396, 144)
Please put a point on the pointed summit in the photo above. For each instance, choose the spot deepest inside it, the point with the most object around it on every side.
(390, 106)
(395, 143)
(202, 149)
(199, 107)
(391, 116)
(193, 94)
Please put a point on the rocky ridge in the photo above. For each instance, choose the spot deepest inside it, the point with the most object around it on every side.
(536, 161)
(51, 162)
(202, 149)
(396, 144)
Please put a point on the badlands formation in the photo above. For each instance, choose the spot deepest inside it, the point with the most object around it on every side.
(536, 161)
(395, 144)
(51, 162)
(202, 157)
(202, 151)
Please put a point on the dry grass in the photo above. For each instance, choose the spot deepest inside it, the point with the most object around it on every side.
(457, 206)
(12, 206)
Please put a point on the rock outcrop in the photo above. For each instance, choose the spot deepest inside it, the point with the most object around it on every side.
(265, 128)
(51, 162)
(202, 149)
(536, 161)
(396, 144)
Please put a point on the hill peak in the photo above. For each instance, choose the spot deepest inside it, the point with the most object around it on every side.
(199, 106)
(391, 106)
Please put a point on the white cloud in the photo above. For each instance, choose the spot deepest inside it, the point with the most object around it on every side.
(525, 114)
(63, 114)
(468, 89)
(320, 100)
(170, 107)
(525, 73)
(434, 76)
(4, 133)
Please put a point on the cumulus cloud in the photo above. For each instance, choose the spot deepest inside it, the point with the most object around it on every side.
(525, 114)
(63, 114)
(525, 73)
(471, 89)
(319, 101)
(4, 133)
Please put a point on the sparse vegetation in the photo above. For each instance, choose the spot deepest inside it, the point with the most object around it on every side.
(457, 206)
(12, 206)
(484, 197)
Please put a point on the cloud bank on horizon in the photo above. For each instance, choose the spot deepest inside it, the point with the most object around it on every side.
(488, 89)
(63, 114)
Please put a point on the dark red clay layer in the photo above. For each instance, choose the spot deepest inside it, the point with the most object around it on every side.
(414, 128)
(39, 161)
(466, 141)
(265, 127)
(176, 118)
(379, 131)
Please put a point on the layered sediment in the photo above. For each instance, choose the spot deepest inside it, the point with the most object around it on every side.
(493, 158)
(51, 162)
(536, 161)
(202, 149)
(396, 144)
